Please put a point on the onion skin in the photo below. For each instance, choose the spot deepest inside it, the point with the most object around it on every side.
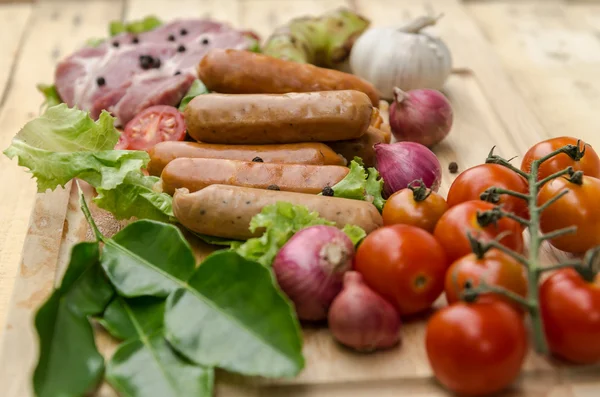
(310, 269)
(423, 116)
(361, 319)
(403, 162)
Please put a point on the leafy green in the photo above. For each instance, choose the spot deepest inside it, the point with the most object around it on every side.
(145, 365)
(197, 88)
(361, 184)
(69, 363)
(147, 258)
(144, 25)
(255, 46)
(355, 233)
(280, 221)
(51, 97)
(94, 42)
(213, 240)
(231, 314)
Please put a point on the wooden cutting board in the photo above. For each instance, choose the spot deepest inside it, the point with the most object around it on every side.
(488, 112)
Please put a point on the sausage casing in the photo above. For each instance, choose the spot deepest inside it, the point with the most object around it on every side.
(361, 147)
(314, 153)
(243, 72)
(288, 118)
(196, 174)
(226, 211)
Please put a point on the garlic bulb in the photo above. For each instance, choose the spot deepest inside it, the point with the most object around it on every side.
(406, 58)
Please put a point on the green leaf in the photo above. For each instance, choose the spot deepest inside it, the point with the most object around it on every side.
(148, 312)
(144, 25)
(145, 365)
(232, 315)
(281, 220)
(51, 97)
(361, 184)
(147, 258)
(94, 42)
(355, 233)
(216, 240)
(197, 88)
(69, 363)
(136, 197)
(116, 27)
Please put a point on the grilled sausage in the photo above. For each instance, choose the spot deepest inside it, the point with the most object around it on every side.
(226, 211)
(288, 118)
(292, 153)
(196, 174)
(243, 72)
(361, 147)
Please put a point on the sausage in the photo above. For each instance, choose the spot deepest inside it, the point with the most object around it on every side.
(243, 72)
(314, 153)
(226, 211)
(361, 147)
(196, 174)
(287, 118)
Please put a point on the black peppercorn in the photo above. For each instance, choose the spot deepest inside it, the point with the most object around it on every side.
(183, 32)
(115, 44)
(273, 187)
(177, 73)
(181, 48)
(205, 41)
(327, 191)
(100, 81)
(149, 62)
(171, 37)
(453, 167)
(257, 159)
(155, 63)
(135, 40)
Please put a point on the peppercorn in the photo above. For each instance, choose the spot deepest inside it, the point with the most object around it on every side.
(273, 187)
(115, 44)
(177, 73)
(453, 167)
(135, 40)
(100, 81)
(327, 191)
(181, 48)
(171, 38)
(257, 160)
(205, 41)
(183, 32)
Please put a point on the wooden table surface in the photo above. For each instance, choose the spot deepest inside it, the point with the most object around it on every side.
(550, 49)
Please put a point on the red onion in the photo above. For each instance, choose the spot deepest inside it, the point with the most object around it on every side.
(310, 268)
(422, 116)
(361, 319)
(403, 162)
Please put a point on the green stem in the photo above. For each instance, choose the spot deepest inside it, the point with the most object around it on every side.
(495, 159)
(470, 293)
(88, 215)
(553, 200)
(558, 233)
(562, 265)
(515, 255)
(554, 176)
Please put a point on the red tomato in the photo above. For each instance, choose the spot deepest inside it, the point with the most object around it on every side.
(122, 143)
(570, 309)
(451, 230)
(578, 208)
(153, 125)
(403, 207)
(495, 268)
(589, 163)
(476, 348)
(471, 183)
(404, 264)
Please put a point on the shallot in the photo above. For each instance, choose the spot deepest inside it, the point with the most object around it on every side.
(403, 162)
(422, 116)
(361, 319)
(310, 268)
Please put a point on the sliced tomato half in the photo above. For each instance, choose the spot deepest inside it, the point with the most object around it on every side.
(153, 125)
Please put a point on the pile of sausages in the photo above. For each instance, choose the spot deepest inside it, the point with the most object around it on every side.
(275, 131)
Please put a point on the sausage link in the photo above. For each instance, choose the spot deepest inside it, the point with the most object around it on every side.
(226, 211)
(196, 174)
(361, 147)
(314, 153)
(243, 72)
(288, 118)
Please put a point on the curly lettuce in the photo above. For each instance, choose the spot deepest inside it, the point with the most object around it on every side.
(361, 184)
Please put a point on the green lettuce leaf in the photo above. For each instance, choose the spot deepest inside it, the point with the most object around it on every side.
(361, 184)
(94, 42)
(197, 88)
(51, 97)
(144, 25)
(355, 233)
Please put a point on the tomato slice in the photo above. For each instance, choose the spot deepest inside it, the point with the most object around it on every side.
(153, 125)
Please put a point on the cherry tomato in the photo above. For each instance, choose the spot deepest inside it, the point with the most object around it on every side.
(451, 230)
(570, 309)
(495, 268)
(414, 206)
(589, 163)
(404, 264)
(471, 183)
(476, 348)
(153, 125)
(579, 208)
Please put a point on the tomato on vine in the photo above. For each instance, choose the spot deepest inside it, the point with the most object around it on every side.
(579, 207)
(570, 308)
(476, 348)
(404, 264)
(589, 163)
(473, 183)
(479, 219)
(416, 206)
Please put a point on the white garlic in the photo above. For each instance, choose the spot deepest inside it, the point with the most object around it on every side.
(405, 57)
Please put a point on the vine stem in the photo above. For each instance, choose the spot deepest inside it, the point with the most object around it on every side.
(88, 215)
